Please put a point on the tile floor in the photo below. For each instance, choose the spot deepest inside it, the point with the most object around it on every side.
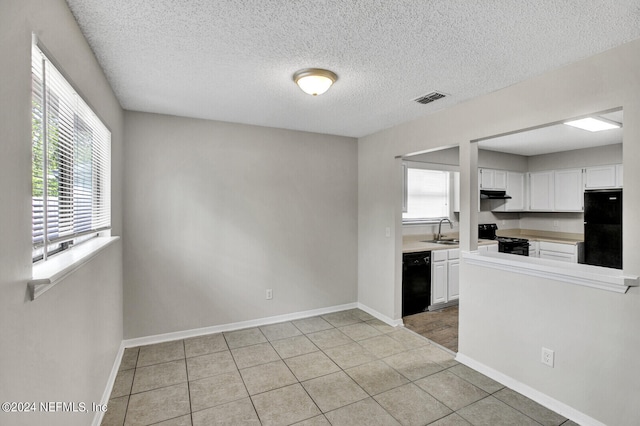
(344, 368)
(438, 326)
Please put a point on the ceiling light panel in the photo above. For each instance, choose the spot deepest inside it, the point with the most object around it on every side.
(593, 124)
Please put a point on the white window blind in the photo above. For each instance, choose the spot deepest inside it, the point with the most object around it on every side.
(71, 163)
(427, 195)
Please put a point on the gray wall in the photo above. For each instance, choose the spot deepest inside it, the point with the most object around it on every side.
(578, 158)
(62, 346)
(216, 213)
(567, 317)
(486, 159)
(502, 161)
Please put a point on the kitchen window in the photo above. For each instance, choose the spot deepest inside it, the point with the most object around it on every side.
(426, 195)
(71, 164)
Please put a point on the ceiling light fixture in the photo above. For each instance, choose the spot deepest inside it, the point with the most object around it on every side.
(593, 124)
(314, 81)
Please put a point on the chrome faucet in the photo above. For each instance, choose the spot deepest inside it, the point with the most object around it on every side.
(439, 235)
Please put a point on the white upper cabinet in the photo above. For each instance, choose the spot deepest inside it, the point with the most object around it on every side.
(516, 189)
(568, 193)
(493, 179)
(556, 191)
(541, 190)
(500, 180)
(603, 177)
(559, 190)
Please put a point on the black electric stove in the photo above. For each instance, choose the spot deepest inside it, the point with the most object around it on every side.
(519, 246)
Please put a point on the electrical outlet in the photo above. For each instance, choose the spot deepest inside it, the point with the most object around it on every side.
(547, 357)
(387, 232)
(556, 223)
(269, 294)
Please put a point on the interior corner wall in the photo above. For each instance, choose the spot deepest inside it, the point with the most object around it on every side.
(217, 213)
(579, 324)
(62, 346)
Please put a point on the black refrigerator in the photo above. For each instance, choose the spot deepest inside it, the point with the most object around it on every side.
(603, 228)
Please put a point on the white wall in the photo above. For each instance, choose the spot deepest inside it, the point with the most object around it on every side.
(486, 159)
(502, 161)
(449, 156)
(577, 158)
(580, 320)
(62, 346)
(506, 319)
(216, 213)
(567, 222)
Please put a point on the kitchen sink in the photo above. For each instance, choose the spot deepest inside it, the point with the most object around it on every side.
(443, 241)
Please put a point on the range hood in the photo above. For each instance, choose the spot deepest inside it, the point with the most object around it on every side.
(494, 195)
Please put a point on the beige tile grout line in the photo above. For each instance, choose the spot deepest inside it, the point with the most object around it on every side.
(300, 383)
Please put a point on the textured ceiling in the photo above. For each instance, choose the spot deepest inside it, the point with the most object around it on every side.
(233, 60)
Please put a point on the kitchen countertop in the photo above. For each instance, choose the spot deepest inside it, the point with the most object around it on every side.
(414, 243)
(548, 236)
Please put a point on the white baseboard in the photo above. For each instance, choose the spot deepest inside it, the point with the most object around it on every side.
(97, 419)
(383, 318)
(535, 395)
(167, 337)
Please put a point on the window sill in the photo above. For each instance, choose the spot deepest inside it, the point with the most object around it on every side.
(49, 273)
(585, 275)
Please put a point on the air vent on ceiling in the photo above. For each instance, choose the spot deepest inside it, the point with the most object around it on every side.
(429, 97)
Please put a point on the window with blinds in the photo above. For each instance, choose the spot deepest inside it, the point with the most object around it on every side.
(71, 163)
(426, 195)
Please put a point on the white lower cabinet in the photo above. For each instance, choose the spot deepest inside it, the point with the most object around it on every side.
(445, 282)
(453, 279)
(439, 277)
(558, 251)
(488, 248)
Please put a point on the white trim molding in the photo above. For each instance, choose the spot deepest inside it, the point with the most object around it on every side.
(167, 337)
(378, 315)
(585, 275)
(533, 394)
(97, 419)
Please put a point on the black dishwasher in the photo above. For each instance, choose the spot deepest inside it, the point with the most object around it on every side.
(416, 282)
